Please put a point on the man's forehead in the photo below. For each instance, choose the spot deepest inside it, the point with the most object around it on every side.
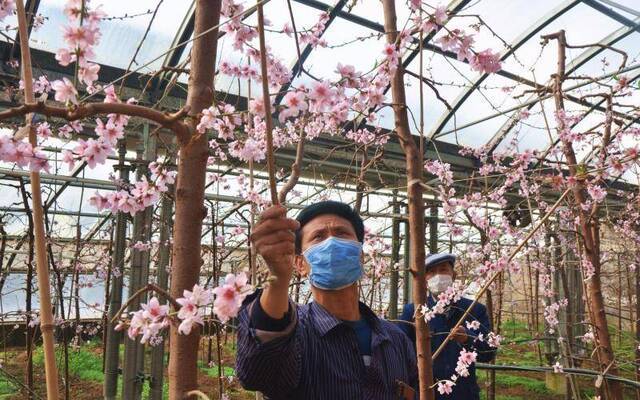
(440, 265)
(326, 221)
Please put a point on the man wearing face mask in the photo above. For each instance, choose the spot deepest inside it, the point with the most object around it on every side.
(440, 274)
(334, 347)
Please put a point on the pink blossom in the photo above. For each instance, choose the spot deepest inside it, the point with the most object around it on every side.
(190, 312)
(440, 14)
(43, 130)
(557, 368)
(65, 91)
(485, 61)
(7, 7)
(109, 131)
(287, 29)
(475, 325)
(98, 201)
(445, 387)
(295, 103)
(321, 95)
(229, 296)
(39, 161)
(597, 193)
(88, 73)
(93, 151)
(65, 57)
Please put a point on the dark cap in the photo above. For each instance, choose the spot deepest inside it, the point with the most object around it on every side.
(438, 258)
(328, 207)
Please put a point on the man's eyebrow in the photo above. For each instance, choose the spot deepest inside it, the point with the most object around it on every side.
(317, 230)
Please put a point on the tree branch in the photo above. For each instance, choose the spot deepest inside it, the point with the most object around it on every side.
(170, 121)
(295, 170)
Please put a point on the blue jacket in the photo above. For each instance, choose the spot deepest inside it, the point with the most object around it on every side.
(445, 365)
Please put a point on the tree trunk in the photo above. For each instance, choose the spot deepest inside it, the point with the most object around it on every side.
(589, 233)
(416, 208)
(190, 210)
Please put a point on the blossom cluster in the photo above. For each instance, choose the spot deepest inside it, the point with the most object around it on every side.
(141, 195)
(81, 36)
(153, 318)
(7, 7)
(455, 40)
(23, 154)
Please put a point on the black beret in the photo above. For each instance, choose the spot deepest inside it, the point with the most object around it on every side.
(329, 207)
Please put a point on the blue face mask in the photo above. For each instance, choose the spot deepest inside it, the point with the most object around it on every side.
(335, 263)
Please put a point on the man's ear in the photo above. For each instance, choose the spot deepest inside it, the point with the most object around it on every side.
(301, 265)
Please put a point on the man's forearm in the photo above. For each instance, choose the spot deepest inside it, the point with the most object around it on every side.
(275, 298)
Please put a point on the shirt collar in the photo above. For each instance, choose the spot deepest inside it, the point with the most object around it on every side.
(324, 322)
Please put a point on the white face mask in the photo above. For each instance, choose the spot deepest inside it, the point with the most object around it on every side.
(439, 283)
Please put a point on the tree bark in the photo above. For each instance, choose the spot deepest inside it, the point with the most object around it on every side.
(416, 208)
(589, 233)
(189, 204)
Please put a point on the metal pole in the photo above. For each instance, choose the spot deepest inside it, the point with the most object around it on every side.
(133, 377)
(395, 260)
(433, 228)
(406, 287)
(112, 350)
(157, 353)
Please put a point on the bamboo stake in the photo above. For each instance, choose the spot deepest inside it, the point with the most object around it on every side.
(266, 100)
(46, 314)
(495, 275)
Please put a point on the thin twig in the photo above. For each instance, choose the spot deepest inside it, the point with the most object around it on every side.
(149, 287)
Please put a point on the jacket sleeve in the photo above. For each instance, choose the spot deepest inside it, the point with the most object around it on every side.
(407, 315)
(485, 352)
(268, 361)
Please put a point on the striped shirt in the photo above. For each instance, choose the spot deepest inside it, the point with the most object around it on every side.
(317, 357)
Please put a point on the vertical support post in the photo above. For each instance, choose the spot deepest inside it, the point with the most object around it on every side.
(133, 377)
(112, 349)
(395, 258)
(406, 275)
(157, 352)
(433, 228)
(42, 266)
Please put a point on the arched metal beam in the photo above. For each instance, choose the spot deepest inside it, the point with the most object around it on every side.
(516, 44)
(583, 58)
(32, 9)
(306, 52)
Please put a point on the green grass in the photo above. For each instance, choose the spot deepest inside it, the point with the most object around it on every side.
(82, 362)
(213, 371)
(507, 397)
(6, 389)
(87, 366)
(530, 384)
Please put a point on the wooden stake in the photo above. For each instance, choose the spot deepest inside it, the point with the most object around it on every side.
(46, 314)
(266, 100)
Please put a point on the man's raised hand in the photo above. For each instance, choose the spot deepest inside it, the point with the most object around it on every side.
(274, 239)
